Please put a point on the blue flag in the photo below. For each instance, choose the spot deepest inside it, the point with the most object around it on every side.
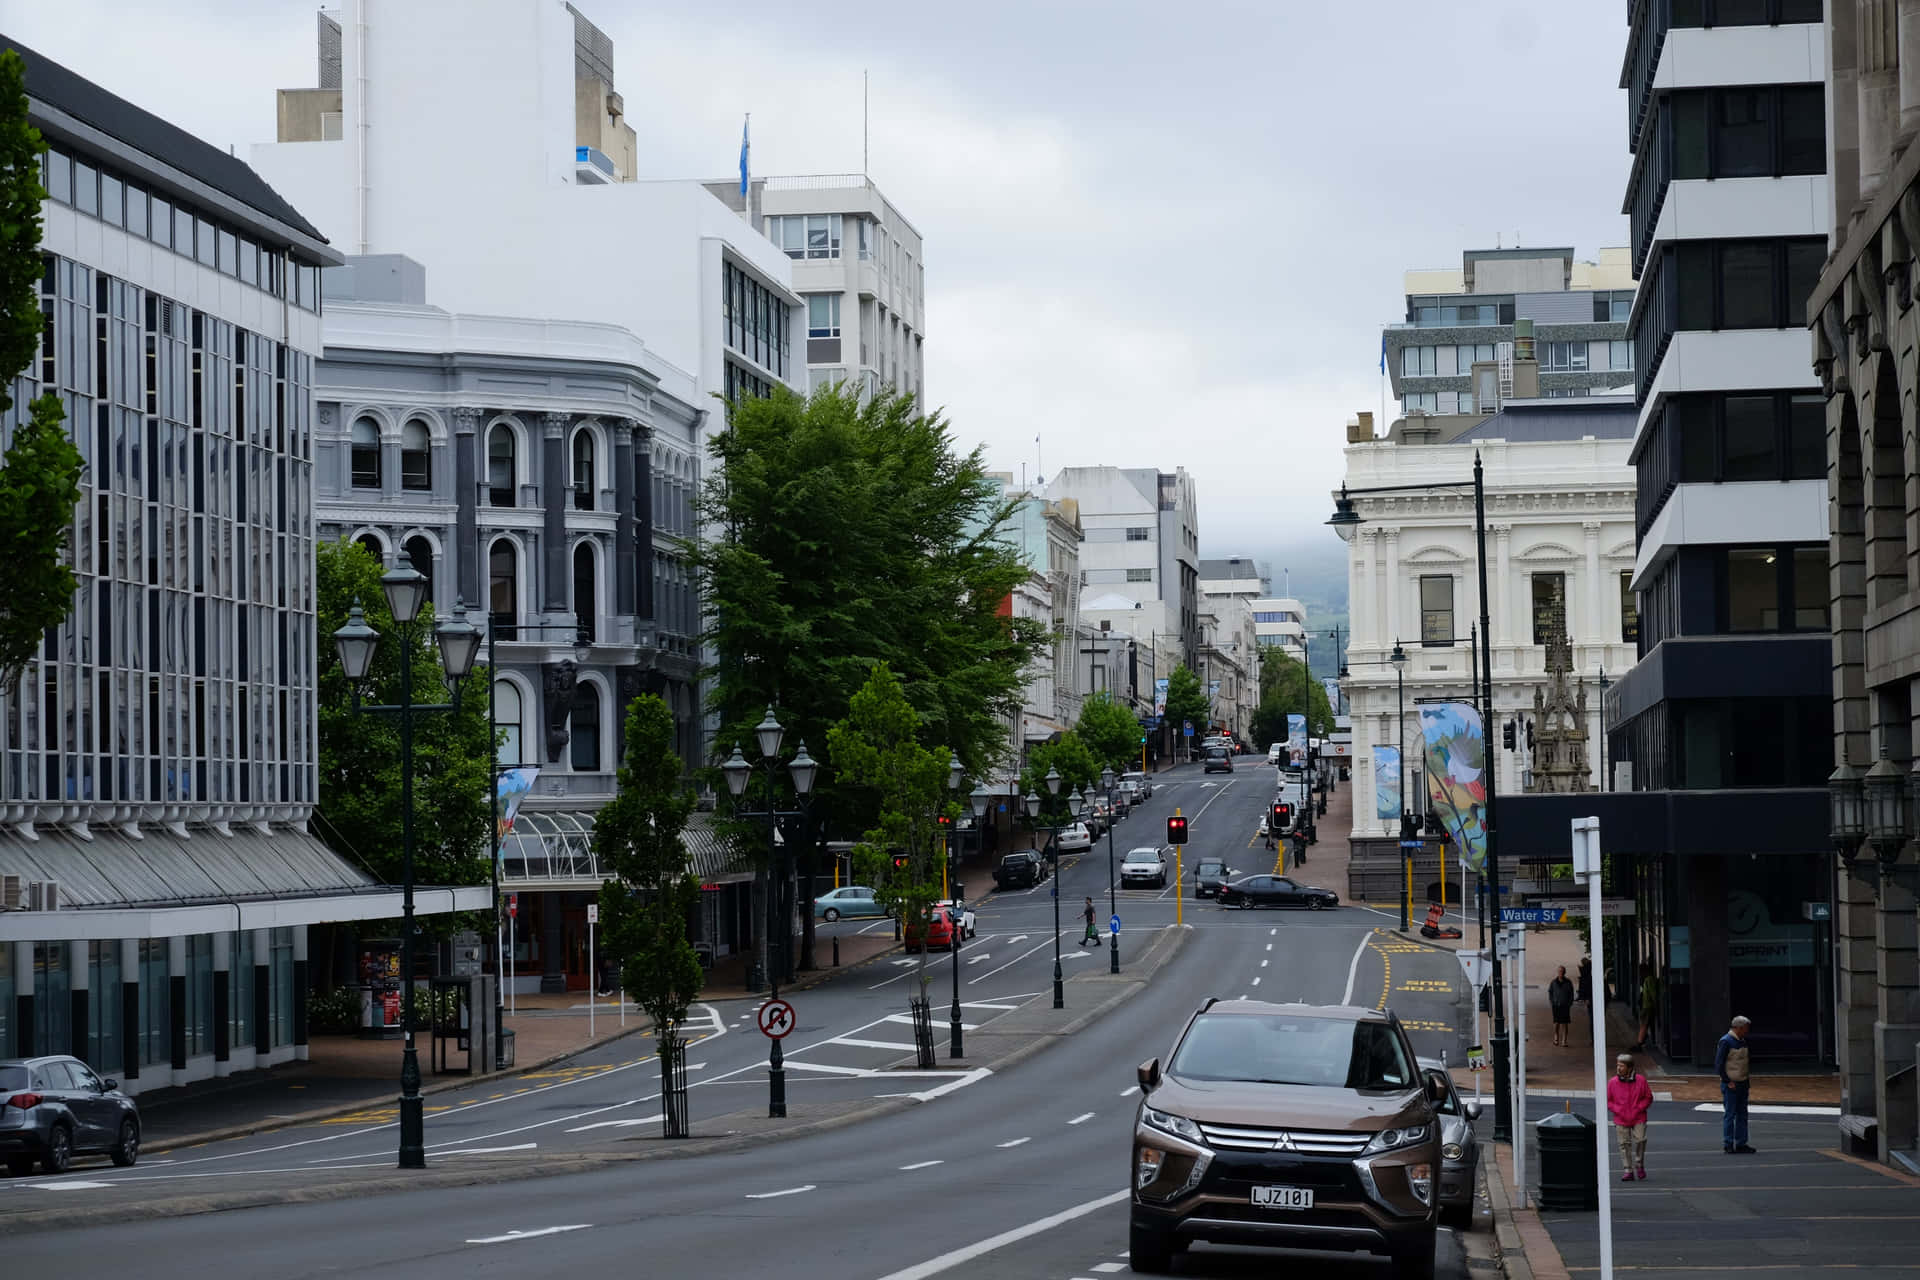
(743, 195)
(1383, 337)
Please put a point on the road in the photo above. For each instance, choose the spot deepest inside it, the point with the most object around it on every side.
(1023, 1170)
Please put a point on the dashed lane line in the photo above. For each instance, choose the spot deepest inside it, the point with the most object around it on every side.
(1082, 1118)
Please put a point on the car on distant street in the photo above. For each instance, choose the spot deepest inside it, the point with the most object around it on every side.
(1276, 891)
(1459, 1150)
(961, 912)
(1210, 875)
(1142, 783)
(1275, 751)
(54, 1108)
(936, 931)
(1020, 870)
(1217, 760)
(1144, 866)
(852, 903)
(1074, 839)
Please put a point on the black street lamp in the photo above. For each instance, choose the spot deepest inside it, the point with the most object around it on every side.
(1107, 779)
(1345, 517)
(768, 735)
(459, 642)
(1031, 803)
(1399, 660)
(1606, 779)
(956, 912)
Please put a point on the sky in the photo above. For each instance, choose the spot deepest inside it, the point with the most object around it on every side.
(1156, 235)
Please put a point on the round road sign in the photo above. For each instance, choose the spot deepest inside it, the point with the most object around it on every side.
(776, 1019)
(1113, 923)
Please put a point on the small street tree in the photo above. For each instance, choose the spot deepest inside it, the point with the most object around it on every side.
(876, 748)
(1187, 703)
(646, 904)
(1283, 691)
(1111, 732)
(1069, 757)
(40, 472)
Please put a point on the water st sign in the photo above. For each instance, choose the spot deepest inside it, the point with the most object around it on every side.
(1532, 915)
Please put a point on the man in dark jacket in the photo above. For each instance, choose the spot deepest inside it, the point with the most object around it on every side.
(1730, 1062)
(1560, 996)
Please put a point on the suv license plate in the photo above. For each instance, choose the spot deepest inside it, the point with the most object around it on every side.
(1283, 1197)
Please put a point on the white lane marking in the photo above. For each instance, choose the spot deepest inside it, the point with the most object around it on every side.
(528, 1235)
(1353, 969)
(789, 1191)
(1776, 1109)
(872, 1044)
(906, 1020)
(982, 1004)
(959, 1257)
(1224, 788)
(1082, 1118)
(1130, 1090)
(1273, 932)
(612, 1124)
(1256, 982)
(487, 1151)
(1263, 964)
(1269, 946)
(793, 1065)
(1016, 960)
(78, 1185)
(924, 1164)
(1108, 1268)
(984, 955)
(974, 1076)
(1016, 1142)
(1018, 937)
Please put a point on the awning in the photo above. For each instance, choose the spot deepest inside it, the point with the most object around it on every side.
(553, 849)
(163, 882)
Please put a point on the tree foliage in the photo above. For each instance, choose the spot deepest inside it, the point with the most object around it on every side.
(1283, 691)
(1187, 702)
(1111, 732)
(359, 804)
(1069, 757)
(852, 536)
(645, 906)
(40, 473)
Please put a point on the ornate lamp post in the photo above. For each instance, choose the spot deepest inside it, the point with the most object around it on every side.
(1399, 660)
(459, 642)
(1031, 803)
(956, 1038)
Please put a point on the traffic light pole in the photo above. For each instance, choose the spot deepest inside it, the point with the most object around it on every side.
(1502, 1090)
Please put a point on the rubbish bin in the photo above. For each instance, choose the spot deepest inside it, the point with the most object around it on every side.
(1569, 1179)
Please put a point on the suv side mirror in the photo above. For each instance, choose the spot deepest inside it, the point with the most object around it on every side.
(1437, 1086)
(108, 1086)
(1149, 1075)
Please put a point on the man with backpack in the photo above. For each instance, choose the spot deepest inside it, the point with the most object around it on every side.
(1093, 932)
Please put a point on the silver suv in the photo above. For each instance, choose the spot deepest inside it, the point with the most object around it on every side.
(54, 1108)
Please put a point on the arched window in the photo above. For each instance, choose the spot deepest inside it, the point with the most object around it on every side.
(366, 454)
(585, 729)
(506, 718)
(500, 466)
(373, 546)
(583, 470)
(420, 556)
(503, 589)
(585, 599)
(416, 457)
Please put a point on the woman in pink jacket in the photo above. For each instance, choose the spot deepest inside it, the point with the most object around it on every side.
(1629, 1096)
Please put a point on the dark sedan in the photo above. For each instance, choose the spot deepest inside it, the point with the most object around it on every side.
(1276, 891)
(1019, 871)
(55, 1108)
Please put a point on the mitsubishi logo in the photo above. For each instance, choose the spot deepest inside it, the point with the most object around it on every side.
(1283, 1141)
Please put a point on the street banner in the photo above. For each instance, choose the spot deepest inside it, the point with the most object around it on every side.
(1456, 755)
(1296, 742)
(1386, 783)
(513, 785)
(1160, 697)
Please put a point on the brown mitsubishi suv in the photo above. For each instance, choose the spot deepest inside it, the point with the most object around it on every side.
(1290, 1126)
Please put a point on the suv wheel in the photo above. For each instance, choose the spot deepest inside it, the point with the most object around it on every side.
(1415, 1261)
(127, 1149)
(830, 915)
(1150, 1252)
(59, 1152)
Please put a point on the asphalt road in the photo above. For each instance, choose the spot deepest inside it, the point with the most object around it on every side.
(1021, 1172)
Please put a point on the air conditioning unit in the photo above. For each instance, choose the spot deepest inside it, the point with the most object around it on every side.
(43, 895)
(11, 893)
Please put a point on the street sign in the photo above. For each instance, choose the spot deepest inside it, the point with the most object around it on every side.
(1413, 844)
(1578, 906)
(1816, 911)
(1473, 967)
(1113, 924)
(1186, 728)
(1531, 915)
(593, 913)
(513, 905)
(1476, 1059)
(776, 1019)
(1482, 888)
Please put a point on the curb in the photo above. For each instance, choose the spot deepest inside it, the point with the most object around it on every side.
(1507, 1248)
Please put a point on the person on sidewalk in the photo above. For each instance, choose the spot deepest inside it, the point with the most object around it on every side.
(1730, 1060)
(1629, 1097)
(1560, 996)
(1649, 1007)
(1093, 933)
(1584, 984)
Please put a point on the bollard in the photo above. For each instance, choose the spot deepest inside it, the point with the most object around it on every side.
(836, 951)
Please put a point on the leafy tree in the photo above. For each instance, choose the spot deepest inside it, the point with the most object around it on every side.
(1069, 757)
(1283, 691)
(877, 747)
(359, 803)
(1110, 732)
(1187, 701)
(646, 905)
(40, 473)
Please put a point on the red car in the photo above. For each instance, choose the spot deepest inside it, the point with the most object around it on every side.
(939, 931)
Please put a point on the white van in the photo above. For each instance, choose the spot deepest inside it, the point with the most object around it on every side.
(1275, 751)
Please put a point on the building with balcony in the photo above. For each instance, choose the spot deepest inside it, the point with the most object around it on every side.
(1047, 535)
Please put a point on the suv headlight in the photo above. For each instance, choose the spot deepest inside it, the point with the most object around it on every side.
(1393, 1139)
(1178, 1126)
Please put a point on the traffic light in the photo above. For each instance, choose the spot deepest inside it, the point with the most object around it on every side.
(1507, 735)
(1529, 735)
(1176, 830)
(899, 862)
(1281, 819)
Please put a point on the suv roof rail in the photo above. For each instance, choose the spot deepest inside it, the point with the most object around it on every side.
(1208, 1003)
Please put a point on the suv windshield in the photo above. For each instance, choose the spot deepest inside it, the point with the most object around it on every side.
(1293, 1049)
(1208, 867)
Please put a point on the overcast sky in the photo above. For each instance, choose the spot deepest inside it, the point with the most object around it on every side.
(1156, 234)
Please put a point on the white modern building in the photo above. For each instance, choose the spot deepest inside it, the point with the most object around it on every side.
(1142, 548)
(1230, 661)
(1559, 501)
(1281, 621)
(1047, 535)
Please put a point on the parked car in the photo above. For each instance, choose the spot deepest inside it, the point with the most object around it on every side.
(1286, 1126)
(1144, 866)
(851, 902)
(1210, 875)
(961, 912)
(1074, 839)
(1275, 751)
(1217, 760)
(938, 931)
(1021, 870)
(55, 1108)
(1098, 817)
(1459, 1151)
(1142, 783)
(1276, 891)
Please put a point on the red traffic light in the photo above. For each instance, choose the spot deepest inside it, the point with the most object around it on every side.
(1282, 819)
(1176, 830)
(944, 820)
(899, 862)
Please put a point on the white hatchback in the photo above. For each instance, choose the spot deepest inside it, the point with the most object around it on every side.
(1144, 867)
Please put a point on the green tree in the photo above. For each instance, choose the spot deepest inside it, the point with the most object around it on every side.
(647, 902)
(854, 535)
(1076, 765)
(877, 747)
(1111, 733)
(40, 472)
(1283, 692)
(359, 804)
(1187, 702)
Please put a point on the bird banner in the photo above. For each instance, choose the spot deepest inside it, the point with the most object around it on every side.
(1455, 743)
